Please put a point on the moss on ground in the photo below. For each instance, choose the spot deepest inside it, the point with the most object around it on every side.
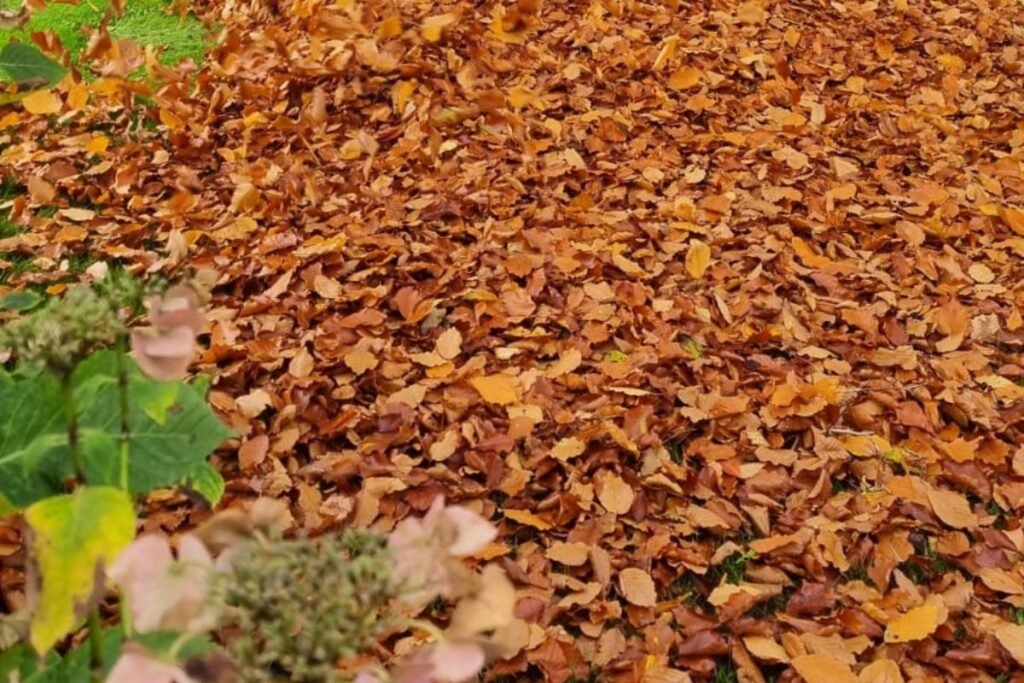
(144, 21)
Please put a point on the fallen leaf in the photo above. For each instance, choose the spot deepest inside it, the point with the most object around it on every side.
(615, 495)
(42, 102)
(917, 623)
(698, 258)
(821, 668)
(497, 389)
(571, 554)
(637, 587)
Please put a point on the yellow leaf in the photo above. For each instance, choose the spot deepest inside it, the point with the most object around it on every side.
(686, 77)
(390, 27)
(568, 361)
(97, 144)
(666, 53)
(432, 27)
(698, 258)
(74, 534)
(499, 389)
(400, 94)
(823, 669)
(42, 102)
(351, 150)
(527, 518)
(568, 448)
(637, 587)
(78, 95)
(519, 97)
(170, 119)
(918, 623)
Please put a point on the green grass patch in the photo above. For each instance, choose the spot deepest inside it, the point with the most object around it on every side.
(144, 21)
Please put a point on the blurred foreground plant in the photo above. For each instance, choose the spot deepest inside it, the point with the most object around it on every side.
(308, 610)
(84, 430)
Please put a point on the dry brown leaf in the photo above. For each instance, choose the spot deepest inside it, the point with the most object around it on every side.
(252, 404)
(571, 554)
(820, 668)
(449, 344)
(637, 587)
(952, 508)
(615, 495)
(881, 671)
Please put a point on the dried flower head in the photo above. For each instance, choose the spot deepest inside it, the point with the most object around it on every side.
(299, 606)
(65, 330)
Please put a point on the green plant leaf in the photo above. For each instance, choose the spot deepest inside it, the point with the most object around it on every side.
(23, 63)
(207, 482)
(171, 432)
(33, 442)
(72, 535)
(21, 301)
(161, 453)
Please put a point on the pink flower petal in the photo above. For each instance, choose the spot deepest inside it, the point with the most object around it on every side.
(163, 355)
(138, 667)
(456, 661)
(147, 555)
(473, 531)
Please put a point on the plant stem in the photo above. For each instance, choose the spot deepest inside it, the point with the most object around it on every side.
(96, 638)
(122, 393)
(71, 410)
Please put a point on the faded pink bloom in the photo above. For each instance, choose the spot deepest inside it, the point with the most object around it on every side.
(164, 593)
(165, 349)
(426, 550)
(454, 660)
(138, 666)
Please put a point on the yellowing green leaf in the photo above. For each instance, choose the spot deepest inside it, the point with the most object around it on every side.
(500, 389)
(71, 535)
(918, 623)
(42, 102)
(698, 258)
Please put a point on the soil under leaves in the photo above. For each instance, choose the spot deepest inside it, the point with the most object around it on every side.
(716, 307)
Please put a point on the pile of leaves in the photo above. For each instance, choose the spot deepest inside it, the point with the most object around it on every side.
(715, 307)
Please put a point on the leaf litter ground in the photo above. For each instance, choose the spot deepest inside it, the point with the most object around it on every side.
(717, 307)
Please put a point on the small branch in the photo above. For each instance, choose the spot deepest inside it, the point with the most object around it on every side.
(122, 393)
(71, 411)
(96, 638)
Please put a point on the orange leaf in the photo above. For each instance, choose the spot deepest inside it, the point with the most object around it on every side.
(684, 78)
(698, 258)
(918, 623)
(823, 669)
(952, 508)
(499, 389)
